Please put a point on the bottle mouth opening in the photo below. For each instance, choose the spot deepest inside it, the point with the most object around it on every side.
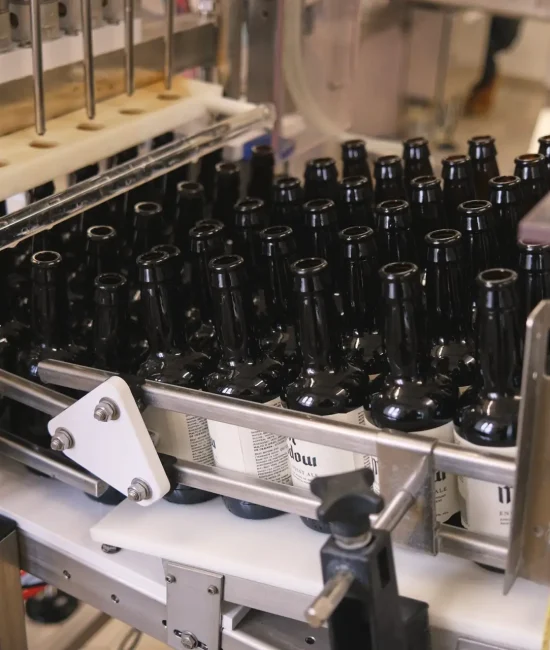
(392, 204)
(227, 168)
(249, 203)
(169, 249)
(456, 159)
(353, 144)
(147, 208)
(356, 232)
(476, 205)
(388, 160)
(46, 258)
(415, 142)
(350, 182)
(152, 257)
(189, 187)
(529, 158)
(100, 232)
(505, 180)
(482, 139)
(309, 264)
(425, 181)
(397, 269)
(321, 162)
(276, 231)
(544, 139)
(110, 280)
(318, 205)
(527, 245)
(226, 262)
(443, 236)
(206, 228)
(287, 182)
(262, 150)
(497, 276)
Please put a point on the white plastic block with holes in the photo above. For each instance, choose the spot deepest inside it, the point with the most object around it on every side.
(119, 450)
(72, 141)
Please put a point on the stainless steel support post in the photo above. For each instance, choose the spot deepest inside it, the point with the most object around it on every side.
(12, 613)
(37, 68)
(88, 60)
(230, 21)
(129, 46)
(170, 6)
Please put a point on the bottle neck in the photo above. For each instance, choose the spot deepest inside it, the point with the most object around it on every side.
(200, 284)
(533, 286)
(499, 351)
(322, 241)
(235, 325)
(403, 338)
(360, 292)
(50, 312)
(164, 333)
(108, 336)
(318, 330)
(278, 291)
(446, 302)
(484, 170)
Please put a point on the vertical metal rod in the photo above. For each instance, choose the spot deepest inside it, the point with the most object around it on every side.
(169, 44)
(88, 61)
(129, 46)
(37, 68)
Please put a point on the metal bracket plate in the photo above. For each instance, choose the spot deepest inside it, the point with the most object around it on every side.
(529, 554)
(400, 459)
(193, 607)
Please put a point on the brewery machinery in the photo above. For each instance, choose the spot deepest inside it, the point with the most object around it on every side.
(82, 82)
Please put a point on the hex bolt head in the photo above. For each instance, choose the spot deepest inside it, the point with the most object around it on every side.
(213, 590)
(109, 549)
(170, 579)
(189, 640)
(139, 490)
(61, 440)
(106, 410)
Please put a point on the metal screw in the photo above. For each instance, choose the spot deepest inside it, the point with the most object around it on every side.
(189, 640)
(139, 490)
(106, 410)
(110, 550)
(61, 440)
(170, 579)
(213, 590)
(66, 575)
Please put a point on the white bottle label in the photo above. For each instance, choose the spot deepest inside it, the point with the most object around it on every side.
(486, 508)
(180, 435)
(250, 451)
(445, 485)
(308, 460)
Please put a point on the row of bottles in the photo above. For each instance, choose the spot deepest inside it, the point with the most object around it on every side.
(314, 297)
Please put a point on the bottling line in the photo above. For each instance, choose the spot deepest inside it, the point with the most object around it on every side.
(102, 79)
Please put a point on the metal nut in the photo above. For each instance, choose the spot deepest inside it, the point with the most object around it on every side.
(189, 640)
(213, 590)
(106, 410)
(139, 490)
(61, 440)
(170, 579)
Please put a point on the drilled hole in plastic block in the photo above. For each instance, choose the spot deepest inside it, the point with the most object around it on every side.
(90, 126)
(168, 97)
(42, 144)
(131, 111)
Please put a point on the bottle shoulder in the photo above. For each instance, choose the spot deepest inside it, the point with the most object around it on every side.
(490, 421)
(365, 351)
(258, 380)
(456, 360)
(328, 392)
(414, 405)
(188, 369)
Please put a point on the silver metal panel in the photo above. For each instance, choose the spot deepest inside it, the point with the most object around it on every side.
(404, 460)
(469, 546)
(529, 555)
(527, 8)
(12, 613)
(193, 606)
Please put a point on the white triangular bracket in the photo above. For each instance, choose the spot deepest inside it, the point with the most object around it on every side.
(117, 449)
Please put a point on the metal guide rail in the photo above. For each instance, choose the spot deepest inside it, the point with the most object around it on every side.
(407, 463)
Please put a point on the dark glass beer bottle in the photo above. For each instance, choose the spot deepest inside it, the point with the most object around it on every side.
(244, 372)
(190, 209)
(356, 201)
(286, 208)
(262, 167)
(172, 361)
(451, 347)
(278, 253)
(321, 179)
(360, 289)
(355, 160)
(416, 159)
(506, 195)
(207, 174)
(390, 181)
(427, 209)
(458, 185)
(394, 234)
(487, 418)
(412, 397)
(532, 169)
(207, 241)
(544, 149)
(227, 193)
(483, 154)
(533, 277)
(327, 385)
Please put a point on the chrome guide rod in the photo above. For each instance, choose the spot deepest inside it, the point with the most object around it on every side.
(113, 182)
(37, 68)
(495, 469)
(129, 47)
(169, 44)
(88, 60)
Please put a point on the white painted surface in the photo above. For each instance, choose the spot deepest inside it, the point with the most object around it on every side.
(282, 552)
(117, 451)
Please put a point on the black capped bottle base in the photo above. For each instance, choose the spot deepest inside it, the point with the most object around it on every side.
(185, 495)
(247, 510)
(316, 525)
